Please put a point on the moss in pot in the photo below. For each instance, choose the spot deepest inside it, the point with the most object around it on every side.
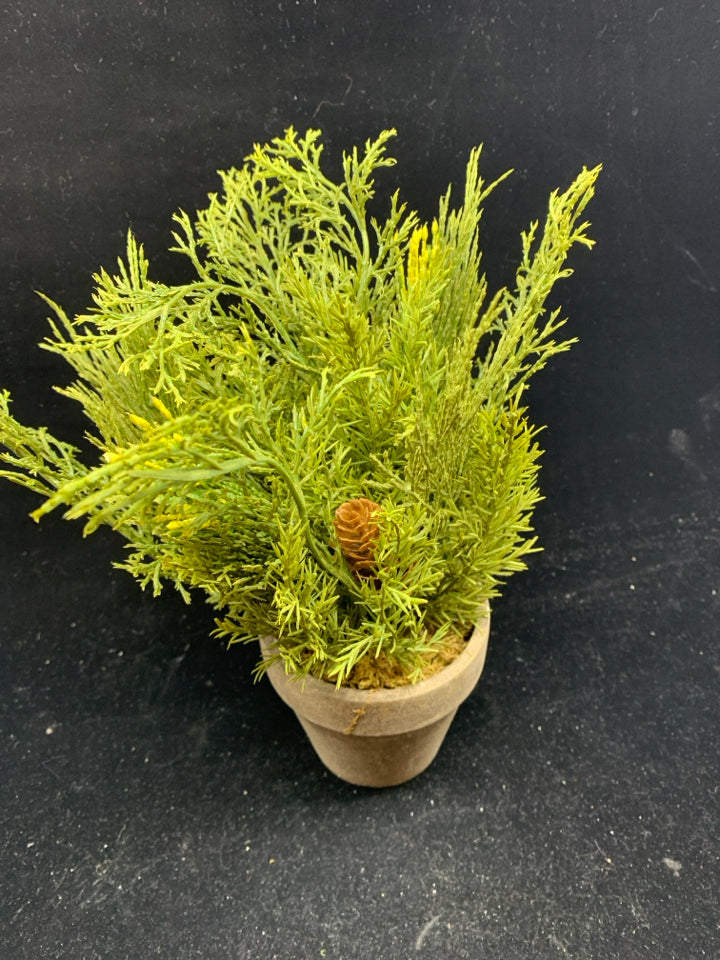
(323, 431)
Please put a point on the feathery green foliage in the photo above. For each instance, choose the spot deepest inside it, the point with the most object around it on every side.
(320, 355)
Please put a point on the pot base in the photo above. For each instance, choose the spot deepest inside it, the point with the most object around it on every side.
(377, 761)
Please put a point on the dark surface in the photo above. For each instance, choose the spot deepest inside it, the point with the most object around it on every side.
(153, 801)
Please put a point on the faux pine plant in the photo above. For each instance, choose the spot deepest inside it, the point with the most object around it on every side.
(324, 430)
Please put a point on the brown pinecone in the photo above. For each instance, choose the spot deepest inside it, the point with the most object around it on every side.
(357, 532)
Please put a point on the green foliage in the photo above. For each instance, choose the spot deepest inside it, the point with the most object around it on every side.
(320, 355)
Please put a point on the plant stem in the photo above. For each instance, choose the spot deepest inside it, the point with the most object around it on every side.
(317, 552)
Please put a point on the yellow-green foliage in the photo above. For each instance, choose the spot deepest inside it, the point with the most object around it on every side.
(318, 356)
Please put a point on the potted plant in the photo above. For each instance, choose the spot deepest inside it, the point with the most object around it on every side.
(323, 431)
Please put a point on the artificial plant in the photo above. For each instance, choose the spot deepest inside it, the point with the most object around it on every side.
(327, 383)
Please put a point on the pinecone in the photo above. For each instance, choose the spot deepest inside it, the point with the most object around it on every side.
(357, 532)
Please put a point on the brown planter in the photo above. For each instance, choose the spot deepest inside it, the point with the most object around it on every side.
(379, 738)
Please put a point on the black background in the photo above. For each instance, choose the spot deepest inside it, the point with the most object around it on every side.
(153, 801)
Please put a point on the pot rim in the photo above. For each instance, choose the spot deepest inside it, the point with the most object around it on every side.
(381, 712)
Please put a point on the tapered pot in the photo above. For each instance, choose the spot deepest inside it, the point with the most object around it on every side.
(380, 738)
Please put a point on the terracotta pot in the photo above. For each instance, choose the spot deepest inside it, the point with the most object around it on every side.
(379, 738)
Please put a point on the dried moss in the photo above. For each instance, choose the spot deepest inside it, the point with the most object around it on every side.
(385, 672)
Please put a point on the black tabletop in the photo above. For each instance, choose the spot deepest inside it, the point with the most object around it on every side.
(154, 801)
